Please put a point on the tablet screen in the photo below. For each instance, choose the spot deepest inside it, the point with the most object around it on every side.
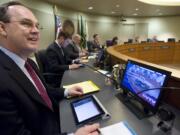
(86, 109)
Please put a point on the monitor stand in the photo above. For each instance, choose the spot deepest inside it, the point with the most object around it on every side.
(134, 106)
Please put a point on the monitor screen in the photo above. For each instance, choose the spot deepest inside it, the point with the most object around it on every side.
(138, 78)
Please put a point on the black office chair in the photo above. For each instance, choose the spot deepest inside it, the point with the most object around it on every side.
(43, 67)
(41, 60)
(89, 46)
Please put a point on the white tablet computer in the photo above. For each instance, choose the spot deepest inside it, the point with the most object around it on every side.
(86, 109)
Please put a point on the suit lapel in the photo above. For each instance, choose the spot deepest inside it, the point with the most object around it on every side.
(17, 74)
(75, 48)
(60, 53)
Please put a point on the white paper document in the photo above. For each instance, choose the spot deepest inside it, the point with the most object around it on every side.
(121, 128)
(104, 72)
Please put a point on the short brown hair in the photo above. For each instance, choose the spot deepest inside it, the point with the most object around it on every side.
(61, 34)
(4, 17)
(95, 35)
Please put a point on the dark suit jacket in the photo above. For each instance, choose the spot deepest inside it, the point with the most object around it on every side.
(56, 63)
(72, 51)
(93, 46)
(22, 110)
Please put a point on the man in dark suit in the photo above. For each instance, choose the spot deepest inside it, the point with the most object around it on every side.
(94, 45)
(27, 105)
(58, 61)
(73, 49)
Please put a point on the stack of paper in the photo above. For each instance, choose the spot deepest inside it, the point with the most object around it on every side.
(87, 86)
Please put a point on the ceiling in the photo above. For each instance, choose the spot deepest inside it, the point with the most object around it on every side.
(126, 8)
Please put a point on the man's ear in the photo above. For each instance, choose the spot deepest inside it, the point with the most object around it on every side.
(2, 29)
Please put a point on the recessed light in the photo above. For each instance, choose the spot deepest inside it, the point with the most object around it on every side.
(162, 2)
(137, 9)
(117, 6)
(90, 8)
(135, 14)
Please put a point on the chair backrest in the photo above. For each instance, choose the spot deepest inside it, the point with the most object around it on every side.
(89, 46)
(41, 60)
(108, 43)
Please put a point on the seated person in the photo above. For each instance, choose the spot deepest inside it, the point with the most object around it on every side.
(68, 40)
(94, 45)
(114, 41)
(154, 39)
(27, 105)
(58, 61)
(73, 49)
(136, 40)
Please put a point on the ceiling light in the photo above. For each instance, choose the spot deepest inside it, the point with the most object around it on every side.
(162, 2)
(135, 14)
(113, 12)
(90, 8)
(117, 6)
(137, 9)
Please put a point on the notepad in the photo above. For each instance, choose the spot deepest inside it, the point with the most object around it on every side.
(121, 128)
(104, 72)
(87, 86)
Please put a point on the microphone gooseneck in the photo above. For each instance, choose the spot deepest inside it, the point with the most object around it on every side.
(99, 72)
(172, 88)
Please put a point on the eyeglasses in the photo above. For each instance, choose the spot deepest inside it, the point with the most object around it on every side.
(28, 24)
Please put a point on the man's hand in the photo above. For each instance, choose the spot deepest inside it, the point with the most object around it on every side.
(88, 130)
(75, 91)
(74, 66)
(81, 54)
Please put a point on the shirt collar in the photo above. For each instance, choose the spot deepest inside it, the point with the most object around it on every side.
(18, 60)
(59, 45)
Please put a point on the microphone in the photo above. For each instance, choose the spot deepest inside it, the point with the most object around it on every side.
(172, 88)
(101, 73)
(166, 116)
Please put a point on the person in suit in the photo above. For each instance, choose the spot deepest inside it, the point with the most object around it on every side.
(73, 49)
(114, 41)
(27, 105)
(94, 45)
(58, 61)
(136, 40)
(154, 39)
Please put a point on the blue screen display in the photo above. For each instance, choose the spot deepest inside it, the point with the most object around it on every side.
(138, 78)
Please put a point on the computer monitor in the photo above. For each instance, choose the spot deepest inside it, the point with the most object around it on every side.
(171, 40)
(149, 40)
(130, 40)
(145, 83)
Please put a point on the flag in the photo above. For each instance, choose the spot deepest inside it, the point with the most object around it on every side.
(58, 25)
(81, 31)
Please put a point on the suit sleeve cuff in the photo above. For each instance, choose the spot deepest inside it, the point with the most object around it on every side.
(71, 134)
(66, 93)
